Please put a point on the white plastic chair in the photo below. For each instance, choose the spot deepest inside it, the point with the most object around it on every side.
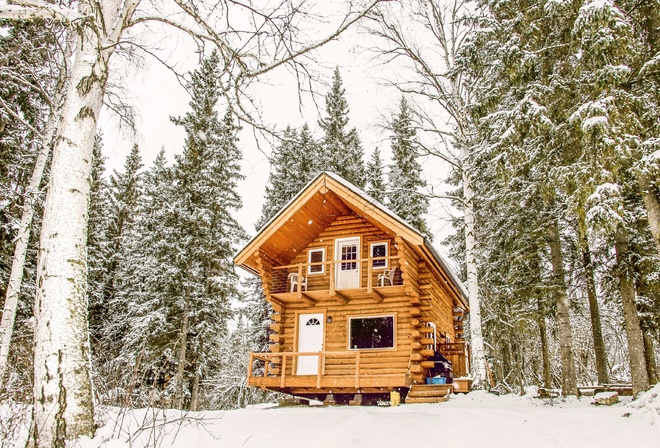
(293, 279)
(387, 275)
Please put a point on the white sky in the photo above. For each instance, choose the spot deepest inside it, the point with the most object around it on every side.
(157, 95)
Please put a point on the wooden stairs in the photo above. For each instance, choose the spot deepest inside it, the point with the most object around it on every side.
(429, 393)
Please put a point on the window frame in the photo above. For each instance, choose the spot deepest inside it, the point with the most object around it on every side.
(394, 331)
(387, 254)
(309, 260)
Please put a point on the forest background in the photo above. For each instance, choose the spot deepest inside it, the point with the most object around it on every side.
(545, 114)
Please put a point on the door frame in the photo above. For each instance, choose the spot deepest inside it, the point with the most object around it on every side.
(296, 334)
(337, 261)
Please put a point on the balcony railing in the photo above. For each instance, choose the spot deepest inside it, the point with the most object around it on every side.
(326, 279)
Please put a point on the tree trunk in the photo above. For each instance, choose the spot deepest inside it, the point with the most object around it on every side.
(181, 367)
(194, 394)
(568, 376)
(476, 336)
(652, 204)
(649, 356)
(640, 379)
(594, 312)
(63, 408)
(545, 350)
(22, 242)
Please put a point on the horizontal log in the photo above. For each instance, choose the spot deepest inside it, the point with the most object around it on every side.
(426, 352)
(416, 368)
(426, 330)
(417, 377)
(427, 364)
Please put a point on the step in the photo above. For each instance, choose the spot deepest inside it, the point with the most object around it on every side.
(415, 400)
(430, 390)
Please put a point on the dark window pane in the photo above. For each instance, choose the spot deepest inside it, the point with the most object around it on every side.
(372, 332)
(316, 256)
(379, 250)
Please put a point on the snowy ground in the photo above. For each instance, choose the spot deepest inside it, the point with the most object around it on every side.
(474, 420)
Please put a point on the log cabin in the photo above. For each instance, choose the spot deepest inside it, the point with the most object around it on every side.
(363, 305)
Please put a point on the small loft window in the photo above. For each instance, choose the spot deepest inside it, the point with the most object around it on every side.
(316, 256)
(371, 332)
(379, 250)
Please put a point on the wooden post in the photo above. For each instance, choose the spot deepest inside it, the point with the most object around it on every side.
(266, 366)
(283, 370)
(332, 279)
(357, 370)
(370, 272)
(300, 277)
(319, 369)
(249, 375)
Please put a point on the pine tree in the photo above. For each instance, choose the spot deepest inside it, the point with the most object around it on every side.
(341, 149)
(375, 183)
(405, 197)
(205, 179)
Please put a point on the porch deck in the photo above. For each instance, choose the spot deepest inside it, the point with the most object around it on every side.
(277, 372)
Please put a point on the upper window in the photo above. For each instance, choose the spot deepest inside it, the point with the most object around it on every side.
(371, 332)
(316, 256)
(379, 250)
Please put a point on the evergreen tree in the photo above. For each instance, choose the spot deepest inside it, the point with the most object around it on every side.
(293, 165)
(97, 244)
(341, 149)
(375, 183)
(405, 177)
(205, 181)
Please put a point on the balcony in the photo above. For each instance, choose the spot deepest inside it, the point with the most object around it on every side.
(339, 280)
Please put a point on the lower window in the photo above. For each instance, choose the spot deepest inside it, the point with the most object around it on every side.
(371, 332)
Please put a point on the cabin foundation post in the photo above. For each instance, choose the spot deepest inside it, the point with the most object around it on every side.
(357, 400)
(329, 400)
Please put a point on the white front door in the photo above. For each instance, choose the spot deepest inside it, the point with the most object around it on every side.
(348, 272)
(310, 339)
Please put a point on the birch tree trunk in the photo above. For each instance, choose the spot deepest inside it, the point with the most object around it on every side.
(640, 379)
(63, 407)
(568, 375)
(476, 334)
(22, 242)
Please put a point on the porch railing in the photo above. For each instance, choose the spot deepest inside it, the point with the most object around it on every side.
(288, 360)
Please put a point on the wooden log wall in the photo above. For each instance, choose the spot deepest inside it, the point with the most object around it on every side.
(343, 227)
(427, 299)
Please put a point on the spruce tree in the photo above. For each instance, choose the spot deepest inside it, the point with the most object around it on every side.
(205, 189)
(405, 197)
(97, 244)
(341, 149)
(375, 178)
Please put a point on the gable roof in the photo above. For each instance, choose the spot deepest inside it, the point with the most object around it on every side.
(315, 207)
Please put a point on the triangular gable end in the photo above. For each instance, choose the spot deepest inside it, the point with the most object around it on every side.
(317, 206)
